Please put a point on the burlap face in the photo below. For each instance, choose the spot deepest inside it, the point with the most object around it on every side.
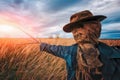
(87, 55)
(90, 32)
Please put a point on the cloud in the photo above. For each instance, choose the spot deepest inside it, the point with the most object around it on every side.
(18, 1)
(111, 30)
(58, 5)
(111, 26)
(51, 16)
(110, 36)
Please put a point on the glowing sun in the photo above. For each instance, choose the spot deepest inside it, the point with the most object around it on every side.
(7, 28)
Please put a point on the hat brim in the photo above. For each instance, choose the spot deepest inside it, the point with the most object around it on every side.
(68, 27)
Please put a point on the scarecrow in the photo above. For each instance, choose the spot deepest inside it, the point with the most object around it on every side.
(88, 59)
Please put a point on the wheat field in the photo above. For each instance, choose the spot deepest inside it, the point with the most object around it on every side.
(21, 61)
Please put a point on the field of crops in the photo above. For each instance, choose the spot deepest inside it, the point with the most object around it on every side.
(21, 61)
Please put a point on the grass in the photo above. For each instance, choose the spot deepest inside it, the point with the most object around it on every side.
(27, 62)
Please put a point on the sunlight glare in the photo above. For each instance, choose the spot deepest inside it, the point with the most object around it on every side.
(7, 28)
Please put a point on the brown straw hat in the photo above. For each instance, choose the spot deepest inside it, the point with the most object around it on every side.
(80, 18)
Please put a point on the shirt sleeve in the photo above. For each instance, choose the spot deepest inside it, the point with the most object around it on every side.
(57, 50)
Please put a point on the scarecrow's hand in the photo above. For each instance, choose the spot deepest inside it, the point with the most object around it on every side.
(59, 50)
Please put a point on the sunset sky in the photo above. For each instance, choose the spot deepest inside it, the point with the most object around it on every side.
(45, 18)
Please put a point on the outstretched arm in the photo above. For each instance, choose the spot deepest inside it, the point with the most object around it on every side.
(60, 51)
